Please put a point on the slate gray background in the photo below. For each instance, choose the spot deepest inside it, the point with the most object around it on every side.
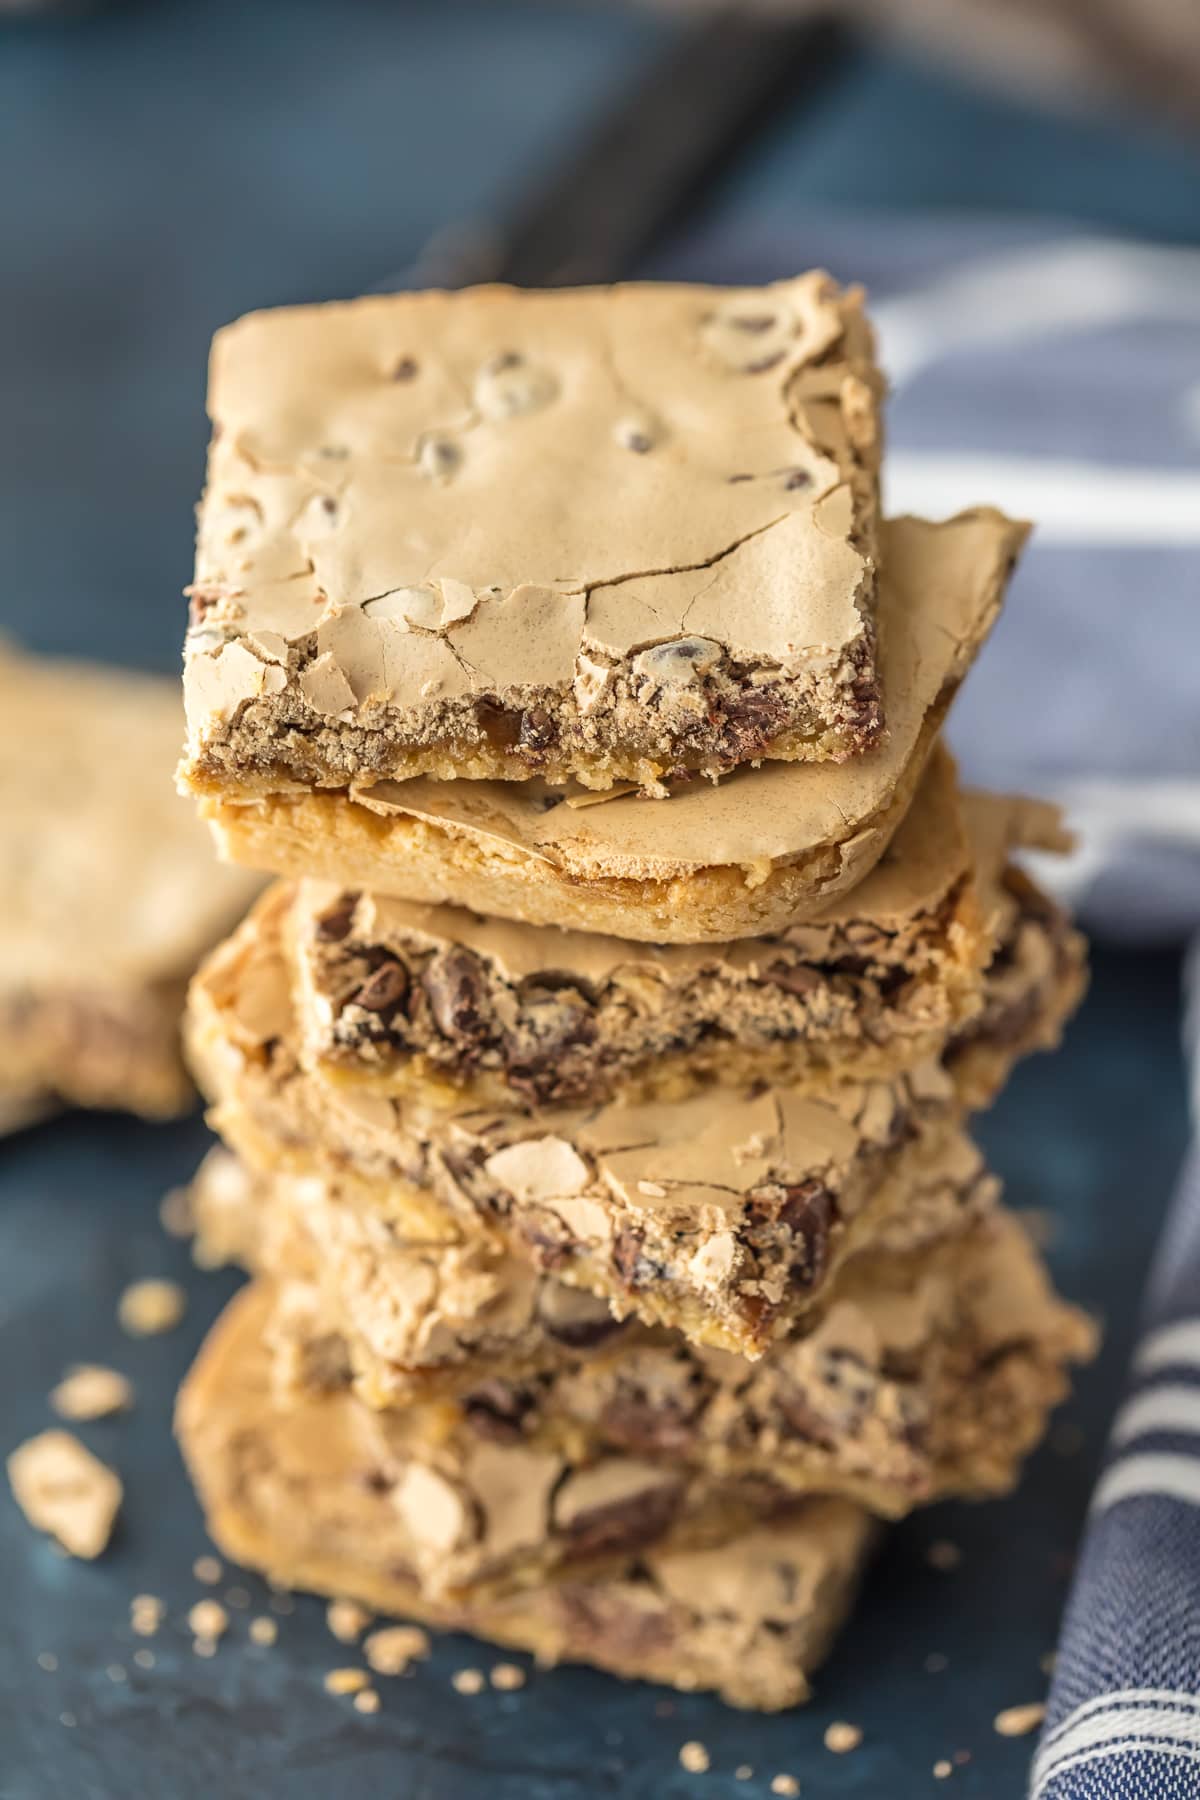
(166, 167)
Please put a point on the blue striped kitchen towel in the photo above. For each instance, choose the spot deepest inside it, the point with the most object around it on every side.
(1123, 1720)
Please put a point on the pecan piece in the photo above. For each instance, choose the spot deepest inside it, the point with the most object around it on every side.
(455, 988)
(385, 992)
(333, 927)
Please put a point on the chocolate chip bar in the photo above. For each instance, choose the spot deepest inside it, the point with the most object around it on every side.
(440, 1006)
(722, 1214)
(476, 1517)
(617, 535)
(924, 1375)
(767, 848)
(109, 894)
(295, 1491)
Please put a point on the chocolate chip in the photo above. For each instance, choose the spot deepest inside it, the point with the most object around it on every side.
(793, 978)
(647, 1427)
(455, 988)
(333, 927)
(386, 991)
(751, 322)
(405, 369)
(506, 359)
(751, 721)
(624, 1524)
(629, 1258)
(764, 363)
(797, 478)
(574, 1317)
(537, 731)
(496, 1410)
(803, 1419)
(808, 1212)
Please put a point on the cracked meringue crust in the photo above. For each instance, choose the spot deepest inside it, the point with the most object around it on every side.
(612, 535)
(294, 1492)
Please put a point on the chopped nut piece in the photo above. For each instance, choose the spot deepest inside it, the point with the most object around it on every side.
(840, 1737)
(943, 1555)
(263, 1631)
(144, 1659)
(64, 1490)
(347, 1681)
(785, 1784)
(367, 1701)
(743, 1772)
(208, 1570)
(115, 1673)
(204, 1646)
(508, 1677)
(347, 1620)
(238, 1598)
(390, 1649)
(208, 1619)
(1018, 1721)
(467, 1681)
(693, 1757)
(88, 1391)
(66, 1718)
(148, 1307)
(942, 1768)
(48, 1661)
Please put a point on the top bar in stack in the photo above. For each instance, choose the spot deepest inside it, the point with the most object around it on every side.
(610, 535)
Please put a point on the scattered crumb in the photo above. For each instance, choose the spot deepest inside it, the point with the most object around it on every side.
(146, 1614)
(144, 1659)
(115, 1672)
(208, 1570)
(840, 1737)
(367, 1701)
(1018, 1721)
(663, 1709)
(508, 1677)
(238, 1598)
(694, 1758)
(962, 1757)
(347, 1681)
(263, 1631)
(65, 1490)
(347, 1620)
(175, 1213)
(943, 1555)
(208, 1619)
(785, 1784)
(390, 1649)
(1048, 1662)
(282, 1603)
(48, 1661)
(67, 1719)
(743, 1772)
(467, 1681)
(935, 1662)
(204, 1646)
(89, 1391)
(148, 1307)
(942, 1768)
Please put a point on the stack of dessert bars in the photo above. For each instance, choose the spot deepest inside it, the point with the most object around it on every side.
(596, 1076)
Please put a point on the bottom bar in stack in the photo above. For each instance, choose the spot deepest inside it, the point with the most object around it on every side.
(288, 1490)
(618, 1497)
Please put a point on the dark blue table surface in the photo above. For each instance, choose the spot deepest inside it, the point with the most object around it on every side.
(170, 165)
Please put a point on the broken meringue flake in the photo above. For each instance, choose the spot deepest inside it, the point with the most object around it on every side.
(66, 1491)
